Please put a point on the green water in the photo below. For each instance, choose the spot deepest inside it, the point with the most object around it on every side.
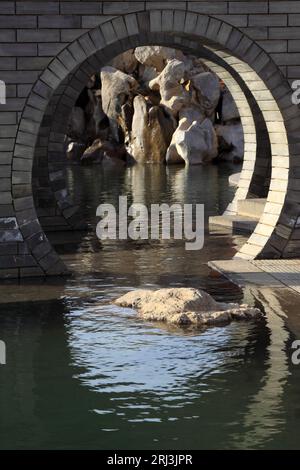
(82, 373)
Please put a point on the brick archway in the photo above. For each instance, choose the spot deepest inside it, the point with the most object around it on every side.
(274, 235)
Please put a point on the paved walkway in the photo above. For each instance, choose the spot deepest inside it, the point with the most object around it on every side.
(270, 273)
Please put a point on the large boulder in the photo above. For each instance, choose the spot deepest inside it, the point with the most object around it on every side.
(192, 113)
(146, 74)
(137, 146)
(229, 108)
(156, 56)
(96, 119)
(231, 142)
(207, 88)
(194, 143)
(101, 151)
(170, 85)
(151, 132)
(185, 306)
(117, 89)
(94, 153)
(125, 62)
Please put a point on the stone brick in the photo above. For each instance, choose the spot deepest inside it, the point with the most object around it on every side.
(12, 21)
(67, 59)
(256, 33)
(294, 71)
(5, 171)
(8, 131)
(5, 184)
(7, 35)
(108, 32)
(37, 8)
(248, 7)
(23, 90)
(118, 8)
(50, 79)
(8, 249)
(167, 20)
(284, 33)
(32, 63)
(294, 20)
(294, 45)
(77, 52)
(81, 8)
(22, 50)
(190, 22)
(50, 49)
(286, 59)
(8, 63)
(290, 6)
(22, 164)
(7, 8)
(235, 20)
(120, 27)
(59, 21)
(165, 5)
(69, 35)
(268, 20)
(93, 21)
(274, 46)
(208, 8)
(35, 35)
(7, 118)
(132, 24)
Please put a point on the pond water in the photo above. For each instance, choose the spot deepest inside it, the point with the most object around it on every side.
(83, 373)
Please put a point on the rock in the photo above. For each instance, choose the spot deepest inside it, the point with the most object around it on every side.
(94, 153)
(229, 108)
(231, 142)
(192, 113)
(125, 62)
(76, 124)
(207, 87)
(185, 306)
(151, 133)
(159, 134)
(156, 56)
(100, 151)
(74, 151)
(195, 143)
(137, 147)
(173, 155)
(170, 85)
(146, 74)
(117, 89)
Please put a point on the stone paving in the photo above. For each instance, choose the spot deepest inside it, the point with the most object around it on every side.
(263, 273)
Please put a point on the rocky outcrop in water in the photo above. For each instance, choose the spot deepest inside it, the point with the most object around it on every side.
(185, 306)
(151, 133)
(160, 106)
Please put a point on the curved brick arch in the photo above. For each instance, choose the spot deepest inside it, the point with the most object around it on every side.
(182, 29)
